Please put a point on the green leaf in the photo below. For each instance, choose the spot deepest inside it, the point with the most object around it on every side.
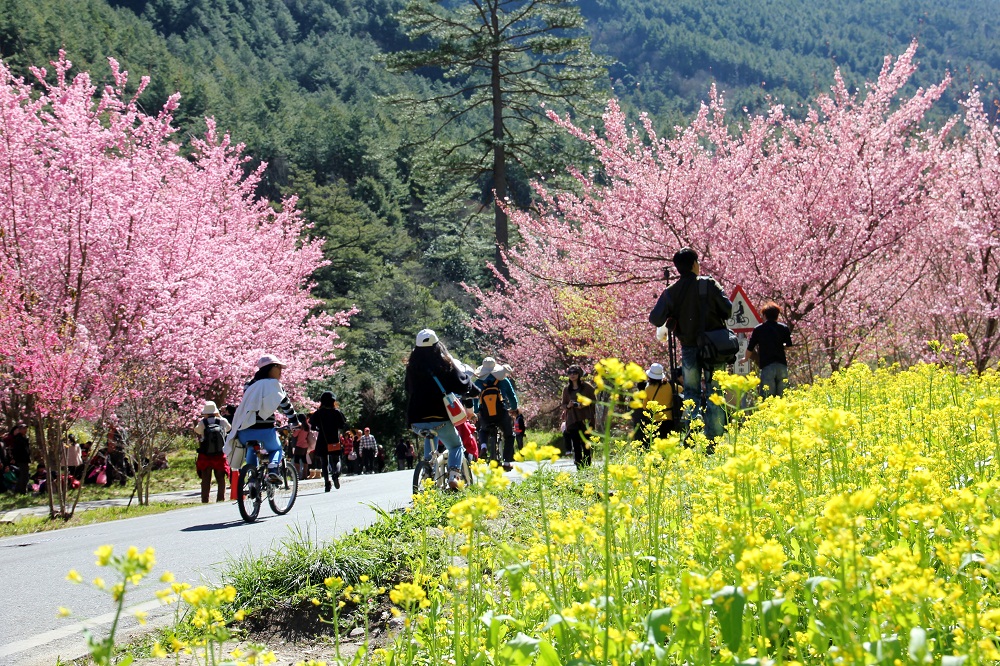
(554, 620)
(816, 581)
(917, 649)
(515, 575)
(547, 655)
(886, 651)
(971, 558)
(658, 626)
(520, 650)
(728, 604)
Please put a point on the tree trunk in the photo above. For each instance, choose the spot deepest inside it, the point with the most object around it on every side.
(499, 152)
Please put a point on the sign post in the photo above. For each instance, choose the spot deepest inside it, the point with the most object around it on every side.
(745, 318)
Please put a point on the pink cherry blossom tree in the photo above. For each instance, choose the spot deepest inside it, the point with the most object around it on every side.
(131, 270)
(826, 212)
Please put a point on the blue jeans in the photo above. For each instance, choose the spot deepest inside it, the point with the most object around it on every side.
(704, 409)
(268, 438)
(449, 437)
(773, 379)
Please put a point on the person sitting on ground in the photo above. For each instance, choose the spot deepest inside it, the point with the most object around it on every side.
(431, 372)
(211, 430)
(254, 418)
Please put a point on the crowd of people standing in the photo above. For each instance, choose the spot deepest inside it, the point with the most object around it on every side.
(491, 427)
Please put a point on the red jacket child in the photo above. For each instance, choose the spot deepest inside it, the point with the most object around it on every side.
(467, 432)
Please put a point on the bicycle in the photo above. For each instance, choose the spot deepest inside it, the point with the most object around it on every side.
(436, 468)
(255, 484)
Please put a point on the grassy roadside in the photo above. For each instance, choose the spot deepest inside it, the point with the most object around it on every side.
(179, 475)
(32, 524)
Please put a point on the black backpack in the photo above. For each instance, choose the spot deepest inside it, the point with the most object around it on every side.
(214, 438)
(491, 401)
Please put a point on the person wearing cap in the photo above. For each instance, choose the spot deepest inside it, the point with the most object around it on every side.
(328, 421)
(495, 401)
(691, 305)
(254, 417)
(429, 365)
(209, 464)
(661, 391)
(579, 415)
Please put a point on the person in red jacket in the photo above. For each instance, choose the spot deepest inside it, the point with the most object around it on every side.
(467, 431)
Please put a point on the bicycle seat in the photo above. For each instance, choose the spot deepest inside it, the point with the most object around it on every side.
(427, 434)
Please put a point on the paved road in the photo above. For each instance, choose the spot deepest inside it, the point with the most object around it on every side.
(194, 543)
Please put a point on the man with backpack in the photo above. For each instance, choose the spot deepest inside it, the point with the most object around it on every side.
(496, 400)
(690, 307)
(211, 431)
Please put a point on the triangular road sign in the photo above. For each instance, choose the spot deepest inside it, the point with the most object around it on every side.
(745, 316)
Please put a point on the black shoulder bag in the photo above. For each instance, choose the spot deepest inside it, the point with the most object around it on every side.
(718, 346)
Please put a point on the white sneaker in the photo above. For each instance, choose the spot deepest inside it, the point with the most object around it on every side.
(453, 478)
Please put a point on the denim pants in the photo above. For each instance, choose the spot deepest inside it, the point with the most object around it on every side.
(449, 437)
(268, 438)
(695, 374)
(773, 379)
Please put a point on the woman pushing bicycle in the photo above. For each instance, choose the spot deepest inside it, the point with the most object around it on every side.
(430, 373)
(254, 417)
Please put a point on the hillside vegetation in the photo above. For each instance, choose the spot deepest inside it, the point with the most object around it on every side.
(298, 83)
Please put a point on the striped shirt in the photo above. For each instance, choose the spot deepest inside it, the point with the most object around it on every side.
(368, 442)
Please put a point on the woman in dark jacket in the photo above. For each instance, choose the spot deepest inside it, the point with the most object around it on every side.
(579, 416)
(328, 422)
(430, 373)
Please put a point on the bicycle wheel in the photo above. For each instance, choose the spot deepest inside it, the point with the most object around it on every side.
(421, 472)
(248, 493)
(285, 491)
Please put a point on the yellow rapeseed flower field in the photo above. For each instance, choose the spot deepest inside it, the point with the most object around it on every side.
(852, 522)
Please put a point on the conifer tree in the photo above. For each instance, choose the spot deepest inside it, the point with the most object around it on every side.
(509, 59)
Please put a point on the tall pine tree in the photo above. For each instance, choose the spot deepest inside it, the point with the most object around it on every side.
(507, 60)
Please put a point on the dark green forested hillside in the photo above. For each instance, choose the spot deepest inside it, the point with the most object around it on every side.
(669, 52)
(298, 82)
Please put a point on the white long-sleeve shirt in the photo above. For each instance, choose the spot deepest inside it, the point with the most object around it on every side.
(260, 400)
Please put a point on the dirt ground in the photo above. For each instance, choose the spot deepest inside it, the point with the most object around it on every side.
(297, 634)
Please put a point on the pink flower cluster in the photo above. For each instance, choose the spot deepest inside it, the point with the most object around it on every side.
(872, 230)
(125, 256)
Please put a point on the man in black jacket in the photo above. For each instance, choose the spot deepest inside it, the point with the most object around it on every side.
(689, 306)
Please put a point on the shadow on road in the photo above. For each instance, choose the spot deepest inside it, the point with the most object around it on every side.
(208, 527)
